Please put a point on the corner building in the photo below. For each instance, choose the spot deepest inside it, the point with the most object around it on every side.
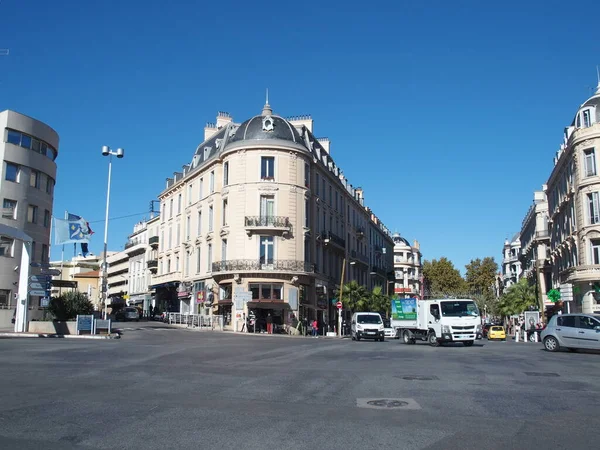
(262, 220)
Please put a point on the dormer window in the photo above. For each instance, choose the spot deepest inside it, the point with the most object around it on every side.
(206, 153)
(586, 118)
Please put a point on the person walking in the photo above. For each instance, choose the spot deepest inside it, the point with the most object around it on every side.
(315, 328)
(269, 324)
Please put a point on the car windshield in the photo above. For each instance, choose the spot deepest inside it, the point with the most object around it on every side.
(459, 308)
(497, 328)
(370, 318)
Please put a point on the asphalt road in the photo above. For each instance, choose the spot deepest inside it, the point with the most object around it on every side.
(159, 388)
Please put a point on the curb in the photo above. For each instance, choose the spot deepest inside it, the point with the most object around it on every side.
(58, 336)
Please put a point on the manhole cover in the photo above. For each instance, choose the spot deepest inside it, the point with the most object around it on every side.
(419, 378)
(387, 403)
(542, 374)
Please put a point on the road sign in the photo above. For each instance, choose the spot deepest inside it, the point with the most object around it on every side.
(38, 286)
(339, 305)
(39, 264)
(566, 292)
(40, 278)
(40, 293)
(51, 272)
(45, 301)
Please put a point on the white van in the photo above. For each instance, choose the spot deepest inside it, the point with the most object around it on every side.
(367, 325)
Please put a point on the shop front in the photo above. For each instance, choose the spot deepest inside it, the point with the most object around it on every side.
(184, 294)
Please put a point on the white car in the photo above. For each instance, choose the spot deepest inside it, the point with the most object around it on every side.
(387, 329)
(367, 325)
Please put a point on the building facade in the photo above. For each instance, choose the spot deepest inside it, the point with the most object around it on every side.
(408, 270)
(535, 245)
(574, 209)
(80, 274)
(262, 221)
(28, 150)
(511, 261)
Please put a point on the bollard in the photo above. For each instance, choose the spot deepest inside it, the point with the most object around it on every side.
(535, 336)
(525, 336)
(517, 336)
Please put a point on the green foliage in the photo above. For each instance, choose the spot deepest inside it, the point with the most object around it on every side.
(517, 298)
(481, 279)
(380, 302)
(441, 278)
(357, 298)
(69, 305)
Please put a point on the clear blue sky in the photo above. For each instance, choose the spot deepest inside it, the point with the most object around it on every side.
(447, 115)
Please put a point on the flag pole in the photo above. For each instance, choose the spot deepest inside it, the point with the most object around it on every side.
(62, 259)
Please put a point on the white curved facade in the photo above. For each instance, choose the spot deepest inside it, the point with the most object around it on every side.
(28, 149)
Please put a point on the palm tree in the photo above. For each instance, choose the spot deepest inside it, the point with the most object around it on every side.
(355, 297)
(380, 302)
(518, 298)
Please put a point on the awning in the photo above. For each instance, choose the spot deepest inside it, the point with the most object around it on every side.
(268, 304)
(224, 302)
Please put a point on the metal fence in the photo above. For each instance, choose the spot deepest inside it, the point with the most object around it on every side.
(202, 322)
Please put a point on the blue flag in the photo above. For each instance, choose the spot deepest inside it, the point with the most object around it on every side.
(73, 230)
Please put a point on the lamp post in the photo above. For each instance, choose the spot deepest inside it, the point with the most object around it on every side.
(341, 293)
(106, 151)
(538, 297)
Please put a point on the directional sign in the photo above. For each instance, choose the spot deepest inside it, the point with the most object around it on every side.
(40, 278)
(45, 302)
(51, 272)
(36, 285)
(39, 264)
(40, 293)
(339, 305)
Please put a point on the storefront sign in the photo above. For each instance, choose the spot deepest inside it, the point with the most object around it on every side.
(200, 297)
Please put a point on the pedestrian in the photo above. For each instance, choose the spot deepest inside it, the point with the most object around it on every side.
(269, 324)
(315, 328)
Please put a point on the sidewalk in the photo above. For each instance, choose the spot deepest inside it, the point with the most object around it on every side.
(10, 334)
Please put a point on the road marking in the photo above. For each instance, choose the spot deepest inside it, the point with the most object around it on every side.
(387, 403)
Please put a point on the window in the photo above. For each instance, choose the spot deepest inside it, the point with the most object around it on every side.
(188, 257)
(595, 251)
(12, 172)
(200, 193)
(198, 259)
(171, 209)
(266, 291)
(163, 212)
(49, 185)
(190, 193)
(209, 259)
(266, 249)
(267, 168)
(226, 173)
(587, 323)
(160, 270)
(593, 207)
(317, 184)
(168, 265)
(170, 238)
(224, 213)
(188, 228)
(330, 196)
(590, 162)
(210, 218)
(178, 234)
(212, 182)
(179, 204)
(566, 321)
(36, 145)
(9, 210)
(46, 218)
(586, 118)
(4, 297)
(267, 206)
(306, 213)
(32, 214)
(25, 141)
(177, 264)
(307, 250)
(224, 250)
(307, 175)
(44, 253)
(13, 137)
(6, 246)
(199, 223)
(34, 179)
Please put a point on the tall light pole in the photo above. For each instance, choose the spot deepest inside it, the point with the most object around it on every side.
(106, 151)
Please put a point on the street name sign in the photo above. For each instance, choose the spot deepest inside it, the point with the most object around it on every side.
(40, 278)
(39, 293)
(51, 272)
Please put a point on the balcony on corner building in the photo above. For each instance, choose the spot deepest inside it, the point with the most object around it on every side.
(378, 270)
(258, 265)
(152, 265)
(267, 223)
(331, 238)
(153, 241)
(360, 232)
(542, 235)
(590, 272)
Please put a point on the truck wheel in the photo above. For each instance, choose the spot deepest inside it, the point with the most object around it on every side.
(432, 339)
(406, 338)
(468, 343)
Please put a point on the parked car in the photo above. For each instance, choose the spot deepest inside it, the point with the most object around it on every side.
(572, 331)
(387, 329)
(128, 313)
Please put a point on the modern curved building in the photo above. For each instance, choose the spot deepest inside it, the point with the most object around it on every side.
(262, 220)
(28, 150)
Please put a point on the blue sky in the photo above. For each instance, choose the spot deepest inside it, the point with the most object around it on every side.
(448, 114)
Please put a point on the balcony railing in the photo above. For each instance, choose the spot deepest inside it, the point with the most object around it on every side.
(379, 271)
(268, 221)
(152, 264)
(275, 265)
(153, 241)
(330, 237)
(542, 234)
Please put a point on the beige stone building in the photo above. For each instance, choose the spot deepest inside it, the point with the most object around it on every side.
(260, 222)
(80, 274)
(408, 268)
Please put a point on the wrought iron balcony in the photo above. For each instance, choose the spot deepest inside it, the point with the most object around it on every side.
(271, 265)
(275, 223)
(153, 241)
(152, 265)
(329, 237)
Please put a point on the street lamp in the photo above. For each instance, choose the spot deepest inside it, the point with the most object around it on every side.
(341, 292)
(106, 151)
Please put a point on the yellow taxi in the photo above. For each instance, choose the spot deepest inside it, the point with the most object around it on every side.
(496, 332)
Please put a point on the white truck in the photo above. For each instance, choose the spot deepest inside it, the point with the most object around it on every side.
(436, 321)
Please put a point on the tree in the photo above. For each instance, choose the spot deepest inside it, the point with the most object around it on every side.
(379, 302)
(442, 278)
(517, 298)
(481, 278)
(354, 297)
(69, 305)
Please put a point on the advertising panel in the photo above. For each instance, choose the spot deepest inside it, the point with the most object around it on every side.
(404, 309)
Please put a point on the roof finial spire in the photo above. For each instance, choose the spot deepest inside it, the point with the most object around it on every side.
(267, 111)
(267, 102)
(598, 75)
